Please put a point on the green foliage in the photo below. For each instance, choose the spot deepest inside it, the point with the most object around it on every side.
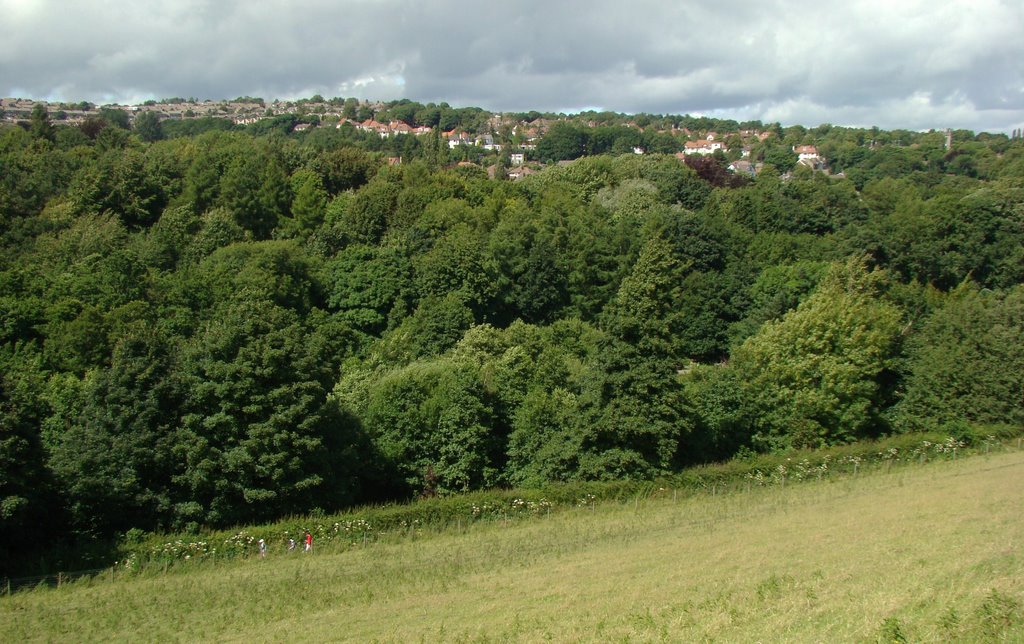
(435, 326)
(366, 216)
(777, 290)
(952, 357)
(563, 141)
(432, 420)
(365, 284)
(255, 190)
(457, 264)
(217, 229)
(631, 199)
(272, 271)
(31, 172)
(148, 126)
(780, 156)
(891, 631)
(309, 206)
(344, 168)
(716, 413)
(119, 183)
(40, 125)
(27, 500)
(643, 312)
(530, 271)
(251, 443)
(170, 236)
(114, 457)
(816, 376)
(173, 312)
(116, 117)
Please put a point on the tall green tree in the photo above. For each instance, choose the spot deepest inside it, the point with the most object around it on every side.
(40, 125)
(309, 206)
(256, 423)
(147, 125)
(28, 495)
(114, 459)
(967, 362)
(433, 420)
(564, 141)
(818, 375)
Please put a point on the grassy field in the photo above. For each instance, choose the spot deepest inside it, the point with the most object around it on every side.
(929, 553)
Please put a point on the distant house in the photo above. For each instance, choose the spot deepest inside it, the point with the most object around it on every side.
(394, 160)
(705, 146)
(744, 167)
(380, 129)
(806, 152)
(518, 173)
(399, 127)
(486, 141)
(808, 155)
(517, 158)
(456, 138)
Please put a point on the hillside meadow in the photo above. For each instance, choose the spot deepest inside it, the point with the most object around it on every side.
(920, 553)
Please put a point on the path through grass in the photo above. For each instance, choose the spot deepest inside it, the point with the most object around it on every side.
(930, 553)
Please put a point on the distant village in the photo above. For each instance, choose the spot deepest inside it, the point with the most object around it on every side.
(517, 136)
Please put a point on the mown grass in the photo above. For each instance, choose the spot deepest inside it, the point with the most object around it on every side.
(922, 553)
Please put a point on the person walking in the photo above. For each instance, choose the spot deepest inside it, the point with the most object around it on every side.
(309, 541)
(263, 549)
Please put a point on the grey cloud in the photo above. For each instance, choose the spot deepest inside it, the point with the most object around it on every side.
(915, 64)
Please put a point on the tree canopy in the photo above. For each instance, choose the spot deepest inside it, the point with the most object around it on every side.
(203, 325)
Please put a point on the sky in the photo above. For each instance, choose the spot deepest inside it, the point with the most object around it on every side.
(905, 64)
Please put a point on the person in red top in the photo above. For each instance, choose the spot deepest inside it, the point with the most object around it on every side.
(309, 541)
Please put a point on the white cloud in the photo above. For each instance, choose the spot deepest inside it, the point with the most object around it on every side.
(910, 64)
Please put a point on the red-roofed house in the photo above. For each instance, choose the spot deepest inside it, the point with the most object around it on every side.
(399, 127)
(456, 138)
(806, 152)
(703, 147)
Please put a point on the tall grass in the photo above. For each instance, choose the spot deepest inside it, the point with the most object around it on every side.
(368, 524)
(925, 552)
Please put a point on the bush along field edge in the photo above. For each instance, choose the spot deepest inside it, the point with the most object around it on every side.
(140, 552)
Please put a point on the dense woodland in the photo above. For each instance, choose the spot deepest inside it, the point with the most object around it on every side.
(203, 325)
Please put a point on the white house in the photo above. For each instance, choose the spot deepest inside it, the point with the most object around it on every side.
(706, 146)
(806, 152)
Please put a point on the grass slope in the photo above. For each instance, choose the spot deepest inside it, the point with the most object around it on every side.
(929, 553)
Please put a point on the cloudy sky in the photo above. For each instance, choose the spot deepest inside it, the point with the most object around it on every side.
(912, 64)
